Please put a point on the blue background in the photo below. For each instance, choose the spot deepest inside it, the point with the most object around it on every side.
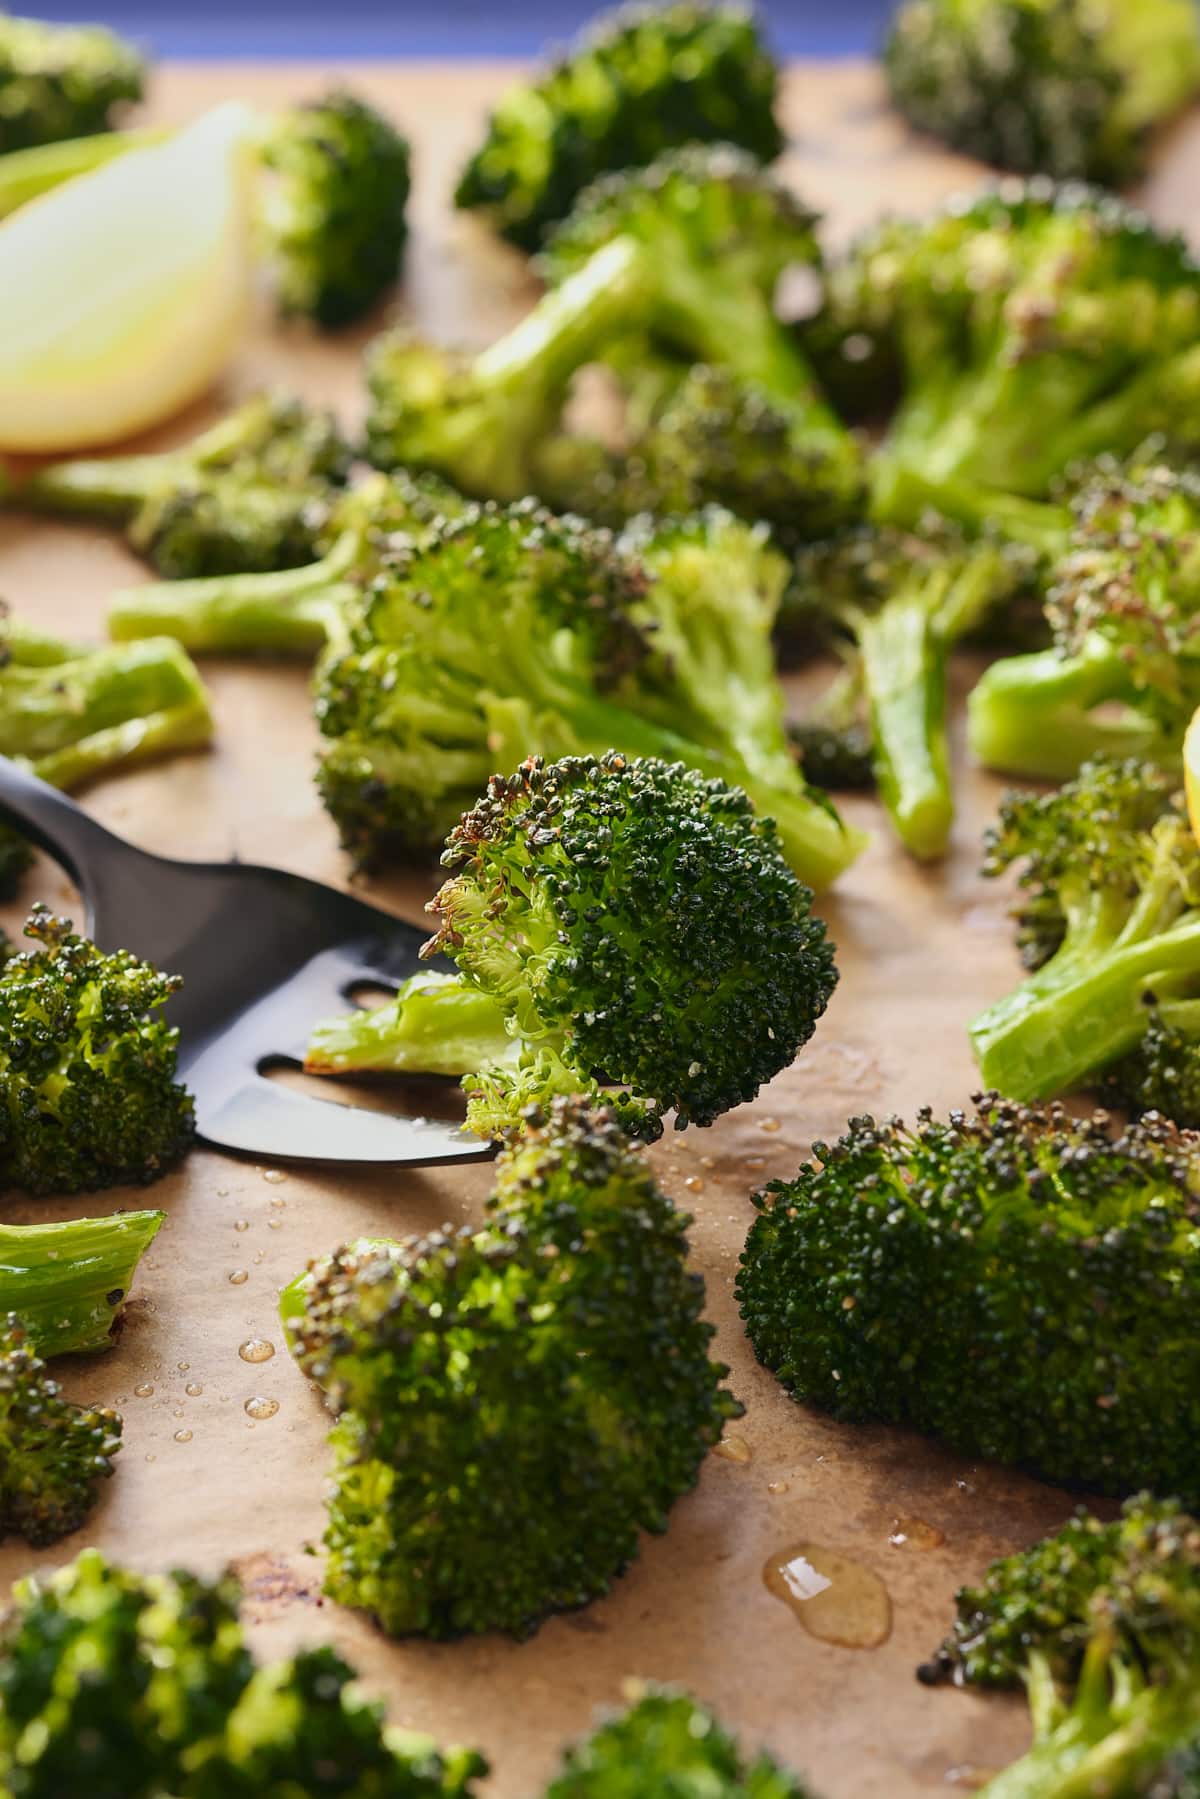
(318, 28)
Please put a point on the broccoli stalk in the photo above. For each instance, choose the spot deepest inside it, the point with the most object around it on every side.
(61, 82)
(69, 1281)
(1111, 927)
(52, 1455)
(438, 1024)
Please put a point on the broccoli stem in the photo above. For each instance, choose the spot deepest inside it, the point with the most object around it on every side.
(437, 1024)
(285, 612)
(25, 174)
(904, 679)
(131, 699)
(67, 1282)
(1042, 715)
(900, 495)
(104, 487)
(187, 726)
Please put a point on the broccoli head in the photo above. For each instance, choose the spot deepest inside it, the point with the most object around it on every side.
(52, 1455)
(336, 221)
(1109, 924)
(1036, 326)
(88, 1096)
(667, 1743)
(1048, 1256)
(1123, 604)
(69, 1281)
(1101, 1625)
(514, 1404)
(61, 81)
(1065, 88)
(631, 925)
(643, 79)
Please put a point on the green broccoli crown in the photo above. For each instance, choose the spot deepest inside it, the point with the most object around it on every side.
(837, 756)
(640, 922)
(53, 1455)
(645, 78)
(1056, 87)
(1050, 1257)
(275, 439)
(224, 526)
(338, 225)
(666, 1742)
(515, 1404)
(87, 1073)
(62, 81)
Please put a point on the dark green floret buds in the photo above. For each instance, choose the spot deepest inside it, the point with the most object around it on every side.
(62, 81)
(515, 1404)
(1052, 1258)
(53, 1455)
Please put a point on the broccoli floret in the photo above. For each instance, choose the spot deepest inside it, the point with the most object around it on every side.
(644, 79)
(632, 924)
(1037, 326)
(667, 1743)
(1067, 88)
(62, 81)
(1052, 1260)
(836, 755)
(904, 599)
(16, 859)
(88, 1096)
(69, 1281)
(52, 1455)
(1101, 1625)
(1109, 922)
(1123, 604)
(250, 493)
(516, 1403)
(130, 1686)
(503, 632)
(336, 222)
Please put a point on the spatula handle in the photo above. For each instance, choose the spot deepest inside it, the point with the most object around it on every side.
(55, 823)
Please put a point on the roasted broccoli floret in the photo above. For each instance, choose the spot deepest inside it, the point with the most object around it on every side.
(667, 1743)
(88, 1096)
(60, 81)
(1055, 1261)
(53, 1455)
(515, 1403)
(130, 1686)
(504, 632)
(903, 599)
(69, 1281)
(1123, 604)
(1109, 923)
(643, 79)
(835, 753)
(1068, 88)
(1101, 1625)
(1037, 326)
(253, 492)
(336, 222)
(633, 925)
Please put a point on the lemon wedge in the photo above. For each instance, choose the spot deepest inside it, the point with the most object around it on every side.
(124, 292)
(1191, 772)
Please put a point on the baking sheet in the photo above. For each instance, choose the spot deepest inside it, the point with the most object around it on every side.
(920, 951)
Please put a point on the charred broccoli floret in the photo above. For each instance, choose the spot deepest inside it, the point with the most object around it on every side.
(1050, 1258)
(69, 1281)
(631, 924)
(250, 493)
(1123, 604)
(1100, 1623)
(53, 1455)
(61, 81)
(903, 599)
(516, 1403)
(1037, 326)
(1067, 88)
(336, 222)
(643, 80)
(666, 1742)
(1109, 924)
(130, 1686)
(88, 1096)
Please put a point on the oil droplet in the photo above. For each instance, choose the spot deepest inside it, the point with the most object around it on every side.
(835, 1598)
(183, 1436)
(193, 1389)
(275, 1176)
(145, 1391)
(768, 1124)
(256, 1349)
(222, 1192)
(261, 1408)
(151, 1457)
(755, 1164)
(239, 1277)
(694, 1184)
(968, 1775)
(778, 1486)
(278, 1201)
(241, 1224)
(708, 1162)
(274, 1224)
(915, 1533)
(734, 1449)
(258, 1256)
(178, 1412)
(183, 1367)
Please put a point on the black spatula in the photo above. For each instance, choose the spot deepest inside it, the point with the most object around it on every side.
(264, 955)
